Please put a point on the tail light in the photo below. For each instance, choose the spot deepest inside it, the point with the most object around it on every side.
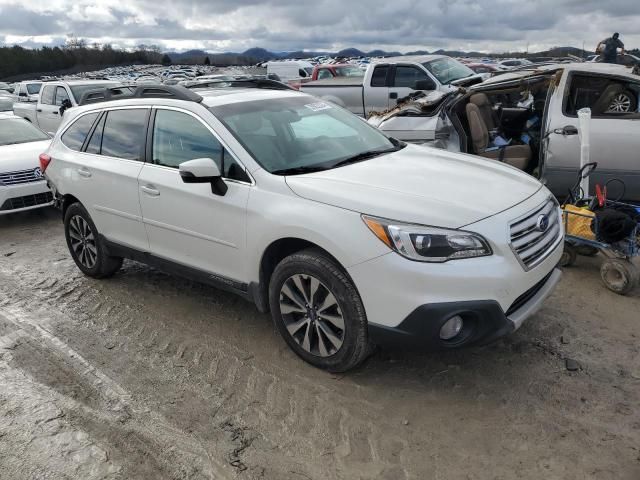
(45, 160)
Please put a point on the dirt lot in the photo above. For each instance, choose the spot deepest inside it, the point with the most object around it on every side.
(148, 376)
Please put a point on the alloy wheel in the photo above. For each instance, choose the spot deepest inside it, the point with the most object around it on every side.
(83, 241)
(620, 104)
(311, 315)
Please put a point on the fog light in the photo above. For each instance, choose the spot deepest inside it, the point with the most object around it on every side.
(451, 328)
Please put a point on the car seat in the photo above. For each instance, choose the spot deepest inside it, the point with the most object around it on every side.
(517, 156)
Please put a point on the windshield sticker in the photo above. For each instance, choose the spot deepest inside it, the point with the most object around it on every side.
(317, 107)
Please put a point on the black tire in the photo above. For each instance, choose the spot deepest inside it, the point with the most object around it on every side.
(618, 275)
(587, 251)
(569, 256)
(103, 265)
(315, 265)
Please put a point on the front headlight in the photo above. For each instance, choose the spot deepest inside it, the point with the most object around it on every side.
(427, 244)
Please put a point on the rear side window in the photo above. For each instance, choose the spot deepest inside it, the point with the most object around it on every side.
(47, 95)
(95, 144)
(124, 134)
(76, 134)
(379, 77)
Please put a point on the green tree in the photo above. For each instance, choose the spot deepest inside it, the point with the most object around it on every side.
(166, 59)
(207, 61)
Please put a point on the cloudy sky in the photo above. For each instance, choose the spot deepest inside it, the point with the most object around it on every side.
(235, 25)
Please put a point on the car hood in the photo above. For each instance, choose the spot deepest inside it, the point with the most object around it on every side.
(22, 156)
(420, 185)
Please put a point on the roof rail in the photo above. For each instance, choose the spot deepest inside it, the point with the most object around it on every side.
(265, 83)
(138, 91)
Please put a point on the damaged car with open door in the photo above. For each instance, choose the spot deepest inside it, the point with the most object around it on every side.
(529, 120)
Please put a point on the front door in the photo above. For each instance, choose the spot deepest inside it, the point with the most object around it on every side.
(187, 223)
(404, 81)
(47, 112)
(613, 138)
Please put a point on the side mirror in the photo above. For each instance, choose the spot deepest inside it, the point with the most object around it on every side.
(65, 105)
(424, 85)
(203, 170)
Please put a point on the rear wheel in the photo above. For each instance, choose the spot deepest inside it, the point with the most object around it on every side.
(619, 275)
(85, 246)
(318, 311)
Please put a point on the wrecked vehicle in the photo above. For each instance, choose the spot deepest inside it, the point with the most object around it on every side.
(528, 119)
(388, 80)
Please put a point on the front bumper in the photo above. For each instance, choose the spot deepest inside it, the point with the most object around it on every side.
(27, 196)
(484, 320)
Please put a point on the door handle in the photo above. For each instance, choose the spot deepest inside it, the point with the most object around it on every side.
(149, 190)
(83, 172)
(55, 112)
(39, 110)
(393, 95)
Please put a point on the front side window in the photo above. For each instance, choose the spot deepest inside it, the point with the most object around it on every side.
(178, 137)
(76, 134)
(48, 94)
(408, 76)
(61, 96)
(124, 134)
(293, 135)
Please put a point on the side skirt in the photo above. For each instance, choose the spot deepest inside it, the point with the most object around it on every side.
(190, 273)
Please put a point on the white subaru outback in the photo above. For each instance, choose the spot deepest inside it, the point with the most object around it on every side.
(346, 236)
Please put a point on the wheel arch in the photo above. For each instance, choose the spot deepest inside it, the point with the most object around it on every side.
(66, 201)
(272, 256)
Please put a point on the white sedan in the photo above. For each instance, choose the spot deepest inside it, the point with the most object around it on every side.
(22, 186)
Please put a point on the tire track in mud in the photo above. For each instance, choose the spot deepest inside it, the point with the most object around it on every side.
(100, 431)
(319, 430)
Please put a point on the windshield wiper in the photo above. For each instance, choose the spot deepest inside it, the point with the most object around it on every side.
(299, 170)
(366, 156)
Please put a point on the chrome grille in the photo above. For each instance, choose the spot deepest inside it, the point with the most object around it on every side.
(22, 176)
(530, 241)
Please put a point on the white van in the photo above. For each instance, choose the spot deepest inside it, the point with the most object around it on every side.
(290, 70)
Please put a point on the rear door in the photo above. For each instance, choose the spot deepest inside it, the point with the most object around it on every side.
(106, 173)
(47, 113)
(186, 222)
(376, 93)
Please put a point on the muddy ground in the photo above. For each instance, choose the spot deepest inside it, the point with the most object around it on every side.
(147, 376)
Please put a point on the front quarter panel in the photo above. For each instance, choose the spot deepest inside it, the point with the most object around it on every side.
(276, 213)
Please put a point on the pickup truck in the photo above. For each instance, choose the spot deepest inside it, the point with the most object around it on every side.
(27, 91)
(55, 98)
(389, 80)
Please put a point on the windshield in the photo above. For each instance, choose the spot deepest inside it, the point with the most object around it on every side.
(309, 70)
(33, 88)
(17, 130)
(448, 70)
(294, 135)
(79, 90)
(349, 72)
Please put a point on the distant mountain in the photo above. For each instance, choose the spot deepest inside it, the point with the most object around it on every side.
(260, 54)
(382, 53)
(351, 52)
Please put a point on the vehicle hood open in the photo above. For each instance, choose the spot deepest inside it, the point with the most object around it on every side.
(22, 156)
(420, 185)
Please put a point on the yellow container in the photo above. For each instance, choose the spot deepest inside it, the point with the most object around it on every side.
(577, 221)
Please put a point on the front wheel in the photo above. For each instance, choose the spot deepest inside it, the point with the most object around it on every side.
(318, 311)
(85, 246)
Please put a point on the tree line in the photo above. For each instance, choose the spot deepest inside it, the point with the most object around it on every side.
(17, 60)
